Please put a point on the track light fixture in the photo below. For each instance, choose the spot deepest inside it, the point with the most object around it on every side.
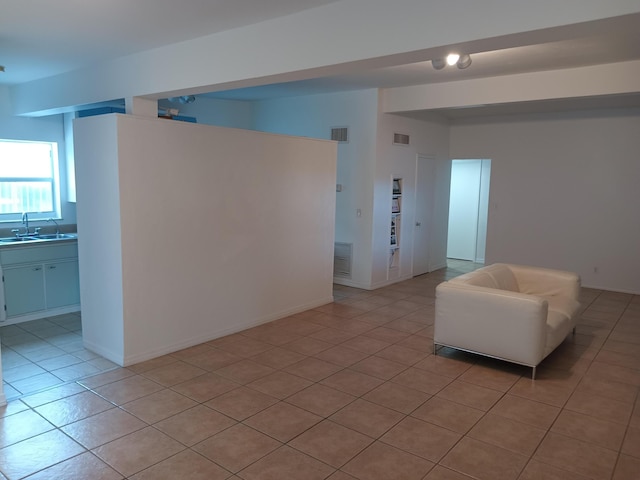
(460, 61)
(438, 63)
(183, 99)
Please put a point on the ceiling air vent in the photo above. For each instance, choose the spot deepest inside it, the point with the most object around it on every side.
(400, 139)
(340, 134)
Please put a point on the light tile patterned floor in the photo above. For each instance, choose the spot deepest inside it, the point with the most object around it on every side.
(45, 353)
(346, 391)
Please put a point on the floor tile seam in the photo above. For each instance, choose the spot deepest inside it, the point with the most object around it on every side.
(50, 336)
(189, 447)
(143, 374)
(371, 442)
(85, 450)
(532, 459)
(317, 414)
(581, 440)
(561, 467)
(275, 450)
(137, 398)
(79, 419)
(357, 397)
(125, 477)
(167, 458)
(628, 427)
(61, 461)
(491, 445)
(12, 384)
(145, 425)
(482, 416)
(632, 360)
(483, 413)
(53, 427)
(361, 397)
(435, 462)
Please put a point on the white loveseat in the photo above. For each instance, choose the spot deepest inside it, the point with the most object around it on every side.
(511, 312)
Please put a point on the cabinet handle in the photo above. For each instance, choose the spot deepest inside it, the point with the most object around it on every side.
(51, 267)
(36, 269)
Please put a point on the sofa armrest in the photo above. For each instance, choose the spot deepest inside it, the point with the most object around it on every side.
(546, 281)
(498, 323)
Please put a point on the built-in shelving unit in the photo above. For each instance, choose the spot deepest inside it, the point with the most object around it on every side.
(396, 220)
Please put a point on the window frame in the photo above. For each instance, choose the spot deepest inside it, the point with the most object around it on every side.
(54, 182)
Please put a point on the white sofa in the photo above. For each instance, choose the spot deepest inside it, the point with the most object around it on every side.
(511, 312)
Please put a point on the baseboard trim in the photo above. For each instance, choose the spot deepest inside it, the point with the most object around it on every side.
(207, 337)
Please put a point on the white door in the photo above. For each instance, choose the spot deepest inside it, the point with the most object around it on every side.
(425, 175)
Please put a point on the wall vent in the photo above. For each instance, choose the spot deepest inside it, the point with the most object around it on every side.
(340, 134)
(400, 139)
(342, 259)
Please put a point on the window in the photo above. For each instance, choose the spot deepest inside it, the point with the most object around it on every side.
(29, 180)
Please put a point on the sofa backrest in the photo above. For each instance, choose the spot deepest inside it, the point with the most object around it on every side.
(503, 276)
(497, 276)
(477, 278)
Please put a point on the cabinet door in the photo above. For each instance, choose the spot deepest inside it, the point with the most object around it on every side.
(62, 284)
(24, 289)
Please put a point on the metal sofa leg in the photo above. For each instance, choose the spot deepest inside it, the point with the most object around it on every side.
(533, 373)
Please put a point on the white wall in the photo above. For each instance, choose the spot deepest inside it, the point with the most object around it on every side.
(314, 116)
(99, 235)
(215, 111)
(220, 229)
(564, 192)
(483, 210)
(365, 167)
(427, 137)
(46, 129)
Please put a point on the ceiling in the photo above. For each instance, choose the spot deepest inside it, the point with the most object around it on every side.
(41, 38)
(67, 35)
(620, 45)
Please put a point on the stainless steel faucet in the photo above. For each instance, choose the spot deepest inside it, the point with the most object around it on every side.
(57, 226)
(25, 222)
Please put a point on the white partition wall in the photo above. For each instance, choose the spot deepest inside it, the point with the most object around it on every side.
(215, 230)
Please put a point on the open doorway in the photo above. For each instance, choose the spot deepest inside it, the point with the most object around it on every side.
(468, 209)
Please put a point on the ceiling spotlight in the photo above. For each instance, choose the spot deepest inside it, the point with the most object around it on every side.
(438, 63)
(464, 61)
(452, 58)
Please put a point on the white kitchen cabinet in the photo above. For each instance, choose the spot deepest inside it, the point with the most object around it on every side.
(39, 281)
(24, 289)
(62, 284)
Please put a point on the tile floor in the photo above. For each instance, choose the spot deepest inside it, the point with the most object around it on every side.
(346, 391)
(44, 353)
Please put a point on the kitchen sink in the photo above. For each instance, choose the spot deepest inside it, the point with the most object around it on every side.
(39, 237)
(54, 236)
(17, 239)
